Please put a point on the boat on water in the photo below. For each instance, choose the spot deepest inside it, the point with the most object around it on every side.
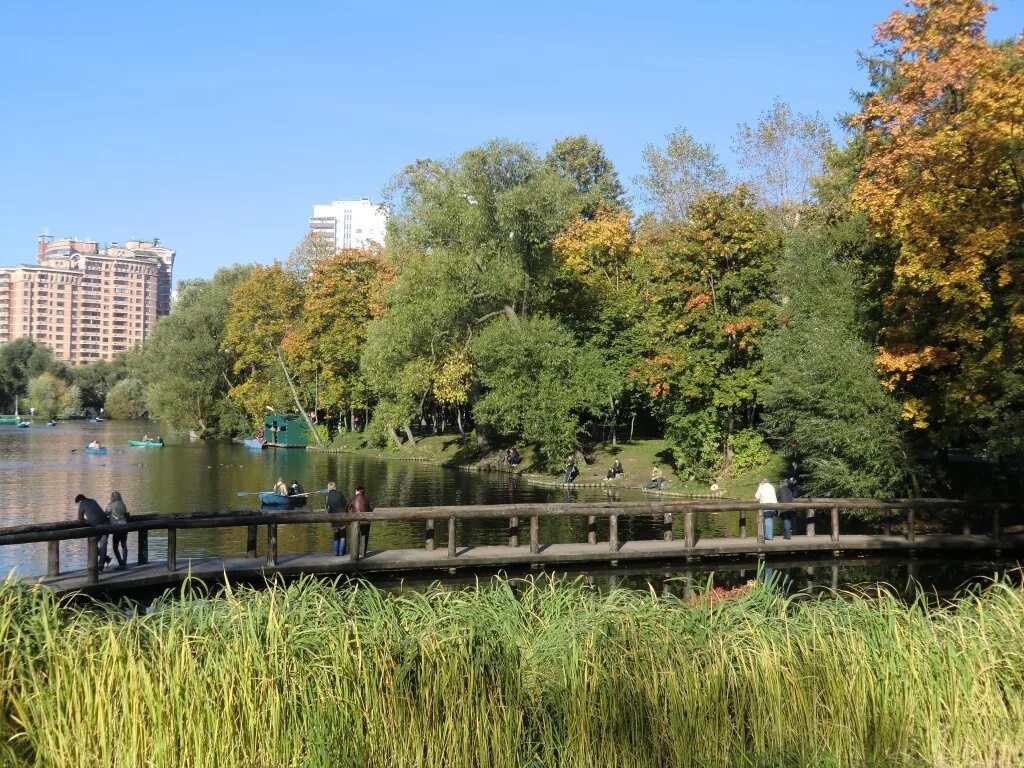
(24, 424)
(96, 451)
(270, 499)
(51, 423)
(254, 443)
(12, 420)
(146, 443)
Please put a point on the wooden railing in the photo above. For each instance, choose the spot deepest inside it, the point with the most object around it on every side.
(970, 513)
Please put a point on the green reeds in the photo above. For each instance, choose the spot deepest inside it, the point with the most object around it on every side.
(531, 674)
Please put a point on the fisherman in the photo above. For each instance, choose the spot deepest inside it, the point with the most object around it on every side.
(336, 506)
(93, 514)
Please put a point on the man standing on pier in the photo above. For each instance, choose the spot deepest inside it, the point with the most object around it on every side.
(766, 495)
(91, 512)
(336, 506)
(360, 505)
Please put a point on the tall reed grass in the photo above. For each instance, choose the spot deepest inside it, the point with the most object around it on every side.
(535, 674)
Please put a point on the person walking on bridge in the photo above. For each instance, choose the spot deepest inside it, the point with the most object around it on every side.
(360, 505)
(92, 513)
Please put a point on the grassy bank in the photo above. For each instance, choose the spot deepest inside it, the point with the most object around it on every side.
(551, 674)
(637, 457)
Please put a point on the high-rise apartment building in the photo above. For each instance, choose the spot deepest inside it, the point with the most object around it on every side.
(350, 223)
(84, 302)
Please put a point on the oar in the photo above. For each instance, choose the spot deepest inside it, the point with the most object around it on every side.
(252, 493)
(307, 493)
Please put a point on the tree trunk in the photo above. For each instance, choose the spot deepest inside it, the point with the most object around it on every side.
(632, 423)
(458, 421)
(408, 433)
(394, 435)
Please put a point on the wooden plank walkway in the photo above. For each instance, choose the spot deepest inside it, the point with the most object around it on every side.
(155, 575)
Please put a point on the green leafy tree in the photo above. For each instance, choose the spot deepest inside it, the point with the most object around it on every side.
(20, 361)
(584, 163)
(823, 395)
(679, 175)
(126, 400)
(714, 286)
(52, 397)
(540, 383)
(186, 372)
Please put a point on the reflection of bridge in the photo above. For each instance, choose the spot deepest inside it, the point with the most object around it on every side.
(905, 525)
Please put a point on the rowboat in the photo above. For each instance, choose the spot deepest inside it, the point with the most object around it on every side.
(9, 420)
(145, 444)
(51, 423)
(24, 424)
(268, 499)
(254, 443)
(96, 451)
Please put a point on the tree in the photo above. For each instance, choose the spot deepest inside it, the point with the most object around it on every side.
(97, 379)
(264, 310)
(343, 293)
(183, 366)
(585, 164)
(942, 179)
(782, 155)
(823, 396)
(680, 175)
(314, 248)
(714, 287)
(126, 400)
(52, 397)
(20, 361)
(540, 383)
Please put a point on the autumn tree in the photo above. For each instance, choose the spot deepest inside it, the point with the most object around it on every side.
(942, 178)
(584, 163)
(342, 294)
(264, 310)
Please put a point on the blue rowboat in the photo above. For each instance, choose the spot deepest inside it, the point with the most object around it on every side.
(254, 443)
(51, 423)
(24, 424)
(268, 499)
(96, 451)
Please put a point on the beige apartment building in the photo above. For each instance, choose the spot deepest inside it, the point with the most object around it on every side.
(84, 302)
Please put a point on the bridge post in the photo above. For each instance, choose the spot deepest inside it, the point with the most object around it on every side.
(172, 549)
(272, 544)
(143, 557)
(613, 533)
(534, 535)
(53, 558)
(513, 531)
(812, 515)
(887, 528)
(743, 525)
(760, 526)
(666, 526)
(688, 534)
(92, 571)
(592, 530)
(835, 523)
(430, 535)
(452, 540)
(353, 541)
(997, 527)
(250, 541)
(911, 532)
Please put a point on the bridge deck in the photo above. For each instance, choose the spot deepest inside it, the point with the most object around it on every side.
(496, 556)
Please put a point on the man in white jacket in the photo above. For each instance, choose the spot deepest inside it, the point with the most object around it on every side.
(766, 495)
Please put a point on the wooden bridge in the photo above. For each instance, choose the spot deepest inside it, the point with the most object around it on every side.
(905, 526)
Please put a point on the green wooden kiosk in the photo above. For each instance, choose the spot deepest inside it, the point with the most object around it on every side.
(285, 430)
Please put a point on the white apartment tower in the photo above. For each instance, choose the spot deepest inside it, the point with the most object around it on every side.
(350, 223)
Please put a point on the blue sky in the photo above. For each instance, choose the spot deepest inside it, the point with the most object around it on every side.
(217, 125)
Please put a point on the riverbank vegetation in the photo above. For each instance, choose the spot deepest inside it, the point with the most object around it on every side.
(512, 674)
(855, 306)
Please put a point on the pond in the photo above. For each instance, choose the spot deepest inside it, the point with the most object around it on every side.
(43, 468)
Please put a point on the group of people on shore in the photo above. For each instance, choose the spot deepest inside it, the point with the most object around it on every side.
(116, 513)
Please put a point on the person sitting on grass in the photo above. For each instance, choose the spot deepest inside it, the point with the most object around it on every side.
(616, 470)
(512, 457)
(657, 481)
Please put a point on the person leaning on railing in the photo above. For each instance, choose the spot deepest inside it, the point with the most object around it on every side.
(360, 505)
(336, 506)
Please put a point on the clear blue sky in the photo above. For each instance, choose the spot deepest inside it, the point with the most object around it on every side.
(216, 125)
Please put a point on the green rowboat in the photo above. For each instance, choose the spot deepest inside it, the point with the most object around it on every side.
(144, 444)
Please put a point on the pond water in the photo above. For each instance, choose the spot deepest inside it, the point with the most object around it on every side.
(43, 468)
